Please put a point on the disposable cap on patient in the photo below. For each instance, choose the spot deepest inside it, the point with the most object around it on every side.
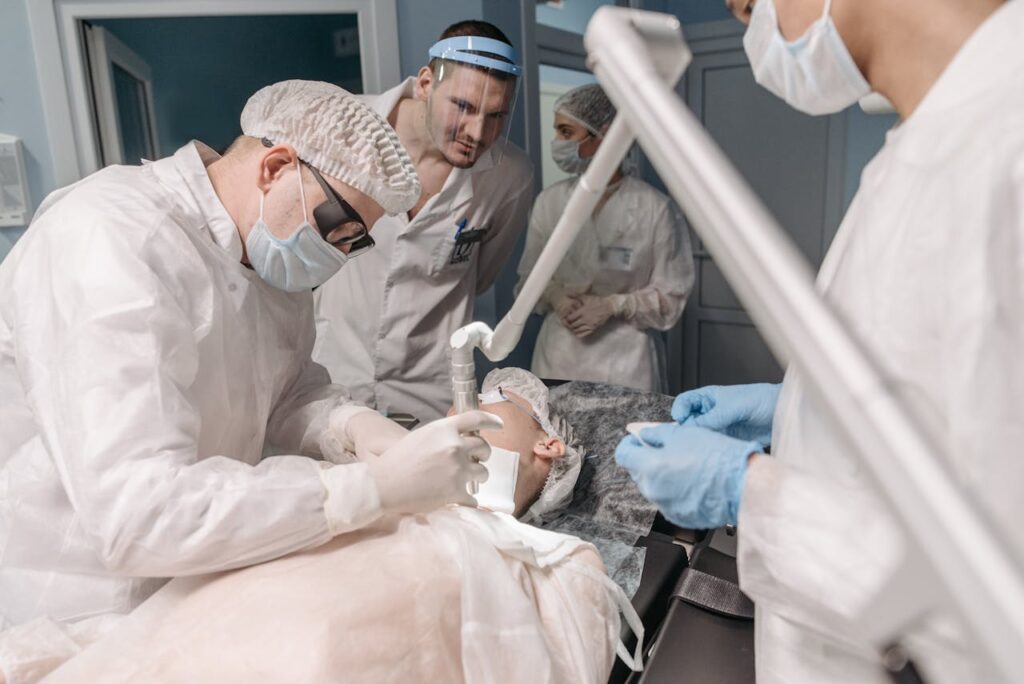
(558, 488)
(587, 105)
(336, 133)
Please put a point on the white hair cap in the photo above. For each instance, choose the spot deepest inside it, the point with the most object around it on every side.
(588, 105)
(333, 131)
(558, 488)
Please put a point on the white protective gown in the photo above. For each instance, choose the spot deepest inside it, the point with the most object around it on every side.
(142, 370)
(635, 246)
(928, 270)
(384, 321)
(455, 595)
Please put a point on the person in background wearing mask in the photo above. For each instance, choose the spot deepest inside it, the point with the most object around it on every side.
(156, 325)
(383, 323)
(627, 275)
(927, 272)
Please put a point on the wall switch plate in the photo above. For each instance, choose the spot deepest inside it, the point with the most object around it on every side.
(14, 209)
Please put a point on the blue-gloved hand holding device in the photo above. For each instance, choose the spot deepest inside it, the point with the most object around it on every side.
(744, 412)
(692, 474)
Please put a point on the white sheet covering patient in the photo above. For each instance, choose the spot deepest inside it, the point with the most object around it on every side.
(456, 595)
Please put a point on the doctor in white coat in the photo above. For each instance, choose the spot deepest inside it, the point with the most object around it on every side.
(927, 270)
(156, 325)
(383, 323)
(626, 277)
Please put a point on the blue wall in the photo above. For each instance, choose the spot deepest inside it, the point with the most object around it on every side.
(21, 107)
(865, 134)
(571, 15)
(691, 11)
(200, 91)
(420, 22)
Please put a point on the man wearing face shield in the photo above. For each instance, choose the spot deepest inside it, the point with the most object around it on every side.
(156, 326)
(926, 270)
(383, 323)
(625, 278)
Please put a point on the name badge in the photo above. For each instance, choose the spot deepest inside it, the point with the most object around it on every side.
(617, 258)
(465, 241)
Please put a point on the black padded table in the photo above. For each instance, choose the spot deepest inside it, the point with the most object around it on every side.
(697, 646)
(663, 564)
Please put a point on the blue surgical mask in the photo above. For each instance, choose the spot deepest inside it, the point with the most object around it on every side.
(814, 74)
(566, 154)
(301, 262)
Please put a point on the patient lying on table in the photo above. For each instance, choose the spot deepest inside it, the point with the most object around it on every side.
(456, 595)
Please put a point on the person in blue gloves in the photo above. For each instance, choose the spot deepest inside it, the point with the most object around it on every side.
(698, 481)
(928, 270)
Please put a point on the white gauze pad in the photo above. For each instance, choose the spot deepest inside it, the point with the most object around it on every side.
(497, 494)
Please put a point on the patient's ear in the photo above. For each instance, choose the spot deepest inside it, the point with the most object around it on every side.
(549, 449)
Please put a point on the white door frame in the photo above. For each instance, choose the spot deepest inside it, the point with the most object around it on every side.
(106, 52)
(63, 80)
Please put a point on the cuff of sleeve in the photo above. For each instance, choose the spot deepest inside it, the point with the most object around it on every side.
(623, 305)
(335, 441)
(351, 500)
(548, 298)
(738, 478)
(759, 479)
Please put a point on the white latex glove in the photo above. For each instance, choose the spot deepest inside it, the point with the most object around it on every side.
(592, 313)
(432, 466)
(371, 434)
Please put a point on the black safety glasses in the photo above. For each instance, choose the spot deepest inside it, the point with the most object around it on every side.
(338, 223)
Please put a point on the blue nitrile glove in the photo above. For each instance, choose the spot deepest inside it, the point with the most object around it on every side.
(692, 474)
(741, 411)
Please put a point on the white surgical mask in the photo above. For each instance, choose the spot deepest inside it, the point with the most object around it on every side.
(300, 262)
(566, 154)
(814, 73)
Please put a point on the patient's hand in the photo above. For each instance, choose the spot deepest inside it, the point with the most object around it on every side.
(373, 434)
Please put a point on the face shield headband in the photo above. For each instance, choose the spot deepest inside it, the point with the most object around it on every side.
(482, 52)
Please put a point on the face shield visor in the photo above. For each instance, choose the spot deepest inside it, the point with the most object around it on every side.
(472, 97)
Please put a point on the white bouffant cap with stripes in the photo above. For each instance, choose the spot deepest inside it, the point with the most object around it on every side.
(339, 135)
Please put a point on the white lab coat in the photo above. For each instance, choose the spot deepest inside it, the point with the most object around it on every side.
(928, 271)
(383, 321)
(635, 246)
(142, 370)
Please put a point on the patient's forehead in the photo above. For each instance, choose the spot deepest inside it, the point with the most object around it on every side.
(503, 410)
(516, 418)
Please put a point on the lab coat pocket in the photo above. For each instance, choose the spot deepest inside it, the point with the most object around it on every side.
(453, 254)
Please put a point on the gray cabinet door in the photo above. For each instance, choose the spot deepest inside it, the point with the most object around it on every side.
(793, 162)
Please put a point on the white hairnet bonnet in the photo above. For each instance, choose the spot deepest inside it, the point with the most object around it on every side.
(333, 131)
(558, 488)
(587, 105)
